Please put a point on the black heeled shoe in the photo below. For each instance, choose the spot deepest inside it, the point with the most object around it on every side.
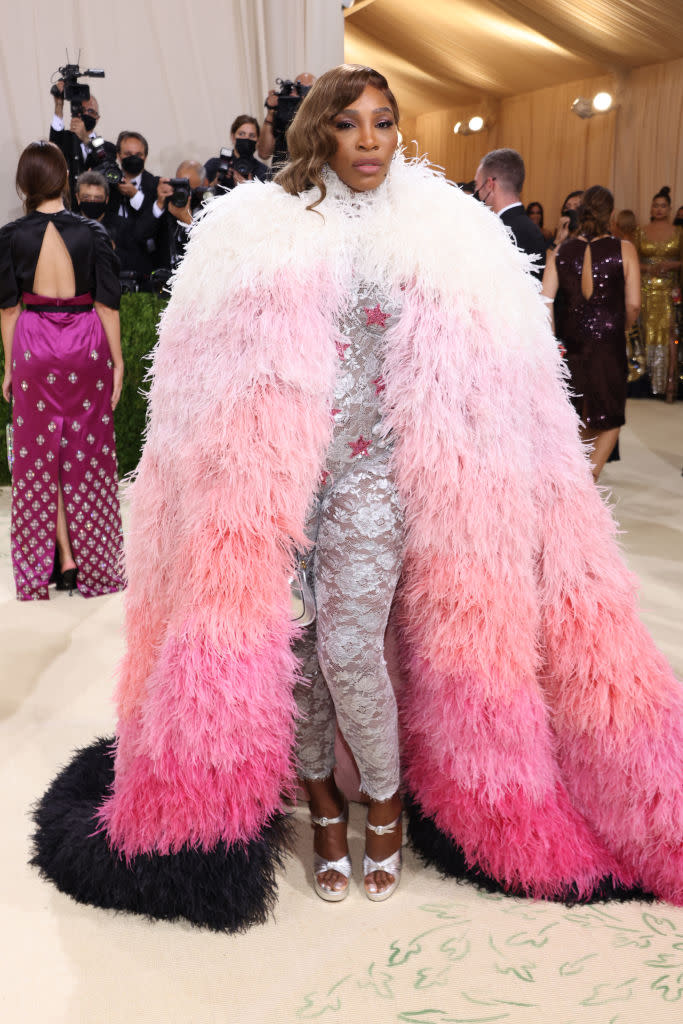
(67, 580)
(56, 574)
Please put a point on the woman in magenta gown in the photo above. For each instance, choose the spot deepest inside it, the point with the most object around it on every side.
(63, 369)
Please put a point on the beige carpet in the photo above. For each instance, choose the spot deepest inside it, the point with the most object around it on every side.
(437, 953)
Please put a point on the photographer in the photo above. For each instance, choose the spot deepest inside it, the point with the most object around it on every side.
(281, 106)
(92, 195)
(129, 202)
(137, 189)
(169, 220)
(241, 163)
(76, 141)
(569, 218)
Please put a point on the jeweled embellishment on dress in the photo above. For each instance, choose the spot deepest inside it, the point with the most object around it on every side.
(375, 316)
(359, 447)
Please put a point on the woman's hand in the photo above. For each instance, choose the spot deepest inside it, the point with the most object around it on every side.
(118, 384)
(239, 179)
(7, 385)
(562, 232)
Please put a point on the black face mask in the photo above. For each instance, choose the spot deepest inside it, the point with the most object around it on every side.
(89, 122)
(92, 209)
(133, 164)
(678, 222)
(245, 148)
(476, 194)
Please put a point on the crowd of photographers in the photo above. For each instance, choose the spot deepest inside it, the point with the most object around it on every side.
(148, 216)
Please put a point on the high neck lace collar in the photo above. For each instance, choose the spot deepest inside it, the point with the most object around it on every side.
(353, 203)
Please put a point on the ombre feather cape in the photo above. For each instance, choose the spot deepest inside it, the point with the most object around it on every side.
(541, 729)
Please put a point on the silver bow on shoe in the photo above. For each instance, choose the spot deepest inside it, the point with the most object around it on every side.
(391, 865)
(320, 865)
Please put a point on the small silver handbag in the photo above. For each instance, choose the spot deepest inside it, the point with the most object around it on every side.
(302, 601)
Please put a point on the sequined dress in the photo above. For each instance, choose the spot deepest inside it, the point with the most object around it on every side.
(62, 376)
(356, 524)
(592, 330)
(658, 314)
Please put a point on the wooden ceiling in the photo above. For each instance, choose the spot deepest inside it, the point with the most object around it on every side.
(441, 53)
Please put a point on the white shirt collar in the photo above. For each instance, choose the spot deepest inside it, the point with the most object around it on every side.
(510, 206)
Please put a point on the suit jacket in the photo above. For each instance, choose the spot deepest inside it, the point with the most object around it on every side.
(528, 236)
(135, 232)
(70, 146)
(168, 237)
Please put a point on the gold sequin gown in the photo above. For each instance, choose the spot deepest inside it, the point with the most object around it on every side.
(658, 313)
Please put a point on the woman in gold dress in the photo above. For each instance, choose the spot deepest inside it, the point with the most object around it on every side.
(660, 248)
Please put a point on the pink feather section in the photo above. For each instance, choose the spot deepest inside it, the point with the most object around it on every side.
(208, 756)
(542, 729)
(232, 456)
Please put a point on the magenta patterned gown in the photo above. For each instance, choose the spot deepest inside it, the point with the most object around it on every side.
(62, 377)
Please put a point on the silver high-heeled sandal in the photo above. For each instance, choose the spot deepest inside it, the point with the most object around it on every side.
(320, 865)
(391, 865)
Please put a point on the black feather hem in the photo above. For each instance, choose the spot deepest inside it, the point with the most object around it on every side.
(438, 850)
(226, 889)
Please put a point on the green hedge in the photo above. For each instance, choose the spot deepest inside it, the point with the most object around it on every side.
(139, 318)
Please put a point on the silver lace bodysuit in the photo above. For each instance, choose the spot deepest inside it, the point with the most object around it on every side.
(356, 526)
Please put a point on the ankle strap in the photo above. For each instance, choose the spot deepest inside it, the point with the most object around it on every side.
(329, 821)
(382, 830)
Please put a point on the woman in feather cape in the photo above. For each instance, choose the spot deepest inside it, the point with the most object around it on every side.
(540, 728)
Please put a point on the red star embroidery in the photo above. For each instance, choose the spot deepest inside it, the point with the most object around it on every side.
(341, 348)
(334, 412)
(359, 447)
(379, 385)
(324, 477)
(376, 316)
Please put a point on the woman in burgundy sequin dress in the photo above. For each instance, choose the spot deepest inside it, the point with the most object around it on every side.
(599, 278)
(64, 369)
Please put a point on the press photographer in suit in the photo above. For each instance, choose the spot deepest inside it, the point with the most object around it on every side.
(499, 180)
(129, 202)
(75, 141)
(169, 222)
(138, 188)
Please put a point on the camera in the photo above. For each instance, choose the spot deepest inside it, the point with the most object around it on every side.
(99, 160)
(287, 105)
(224, 178)
(76, 92)
(573, 217)
(130, 282)
(232, 163)
(181, 192)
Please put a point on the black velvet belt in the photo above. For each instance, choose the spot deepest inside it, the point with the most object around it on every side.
(44, 308)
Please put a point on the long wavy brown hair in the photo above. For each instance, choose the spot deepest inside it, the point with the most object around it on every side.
(311, 138)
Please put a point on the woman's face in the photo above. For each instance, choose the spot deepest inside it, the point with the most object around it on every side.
(245, 131)
(660, 209)
(535, 214)
(367, 136)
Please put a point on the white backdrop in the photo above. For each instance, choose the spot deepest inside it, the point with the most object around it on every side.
(178, 71)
